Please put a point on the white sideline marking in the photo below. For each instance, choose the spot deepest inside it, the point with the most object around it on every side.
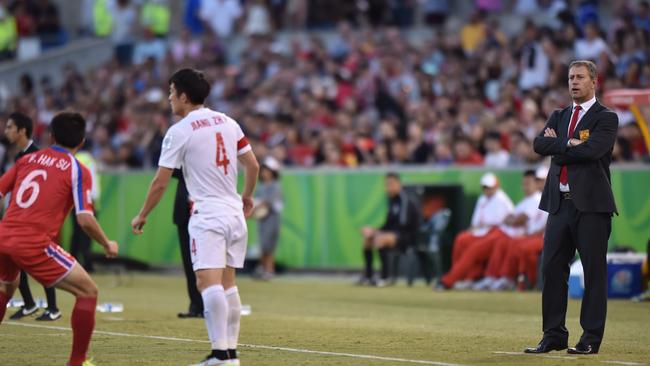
(286, 349)
(626, 363)
(527, 355)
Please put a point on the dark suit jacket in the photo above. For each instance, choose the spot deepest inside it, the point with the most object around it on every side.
(181, 205)
(30, 149)
(6, 160)
(587, 163)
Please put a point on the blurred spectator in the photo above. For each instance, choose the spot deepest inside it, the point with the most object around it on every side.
(436, 12)
(102, 18)
(489, 5)
(473, 33)
(592, 46)
(642, 18)
(268, 209)
(191, 18)
(48, 23)
(25, 22)
(221, 16)
(534, 63)
(465, 153)
(496, 156)
(155, 17)
(124, 17)
(258, 19)
(297, 13)
(185, 48)
(8, 34)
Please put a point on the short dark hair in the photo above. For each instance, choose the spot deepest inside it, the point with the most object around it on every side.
(192, 83)
(393, 175)
(591, 67)
(530, 173)
(68, 129)
(22, 121)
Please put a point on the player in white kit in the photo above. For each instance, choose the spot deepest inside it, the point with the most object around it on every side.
(208, 145)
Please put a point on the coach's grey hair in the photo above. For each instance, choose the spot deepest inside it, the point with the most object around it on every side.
(591, 67)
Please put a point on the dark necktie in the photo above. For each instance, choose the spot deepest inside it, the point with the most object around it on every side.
(564, 176)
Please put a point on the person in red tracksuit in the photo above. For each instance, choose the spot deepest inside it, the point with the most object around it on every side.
(519, 255)
(491, 209)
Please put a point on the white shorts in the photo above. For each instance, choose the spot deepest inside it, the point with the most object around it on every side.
(217, 241)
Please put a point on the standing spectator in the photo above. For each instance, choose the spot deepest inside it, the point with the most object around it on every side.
(642, 17)
(124, 17)
(258, 19)
(221, 16)
(473, 33)
(268, 209)
(191, 18)
(155, 18)
(8, 34)
(592, 46)
(297, 11)
(48, 23)
(436, 12)
(102, 19)
(534, 62)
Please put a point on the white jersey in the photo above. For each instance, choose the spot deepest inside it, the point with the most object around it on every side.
(536, 217)
(490, 211)
(529, 206)
(206, 144)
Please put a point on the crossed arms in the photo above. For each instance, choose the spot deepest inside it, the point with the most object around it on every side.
(567, 151)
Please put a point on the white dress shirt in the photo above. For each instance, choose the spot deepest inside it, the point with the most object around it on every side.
(585, 107)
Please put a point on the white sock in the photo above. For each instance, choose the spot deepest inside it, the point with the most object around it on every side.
(234, 315)
(216, 316)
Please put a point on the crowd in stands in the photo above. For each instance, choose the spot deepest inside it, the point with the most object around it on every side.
(29, 22)
(471, 94)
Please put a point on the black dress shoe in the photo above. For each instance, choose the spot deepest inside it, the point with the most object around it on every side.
(190, 314)
(546, 346)
(583, 349)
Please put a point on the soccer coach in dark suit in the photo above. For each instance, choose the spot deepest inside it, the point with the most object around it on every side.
(579, 199)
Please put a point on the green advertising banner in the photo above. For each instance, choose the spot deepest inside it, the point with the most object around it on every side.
(324, 210)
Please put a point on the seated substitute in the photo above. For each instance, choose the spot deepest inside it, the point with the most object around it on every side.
(398, 231)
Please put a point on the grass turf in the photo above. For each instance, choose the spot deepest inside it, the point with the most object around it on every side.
(326, 315)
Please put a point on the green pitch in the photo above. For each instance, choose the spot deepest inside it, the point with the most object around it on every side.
(322, 321)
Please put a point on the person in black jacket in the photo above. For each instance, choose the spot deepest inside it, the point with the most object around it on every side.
(19, 131)
(181, 220)
(398, 231)
(579, 199)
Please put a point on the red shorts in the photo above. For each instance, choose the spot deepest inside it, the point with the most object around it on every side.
(47, 264)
